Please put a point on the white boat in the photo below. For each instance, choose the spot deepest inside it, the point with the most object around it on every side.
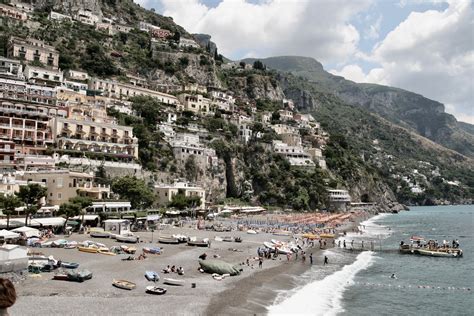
(251, 232)
(284, 250)
(171, 281)
(129, 237)
(269, 245)
(277, 242)
(99, 233)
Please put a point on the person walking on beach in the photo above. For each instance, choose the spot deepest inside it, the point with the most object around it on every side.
(7, 296)
(311, 259)
(260, 262)
(326, 260)
(352, 243)
(303, 257)
(344, 243)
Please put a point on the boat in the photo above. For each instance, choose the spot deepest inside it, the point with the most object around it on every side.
(130, 238)
(417, 239)
(88, 249)
(269, 245)
(124, 284)
(152, 250)
(152, 276)
(79, 276)
(327, 235)
(61, 277)
(281, 233)
(251, 232)
(450, 253)
(284, 250)
(168, 240)
(277, 242)
(180, 238)
(106, 252)
(69, 265)
(198, 243)
(173, 281)
(238, 239)
(99, 233)
(128, 250)
(227, 239)
(310, 236)
(155, 290)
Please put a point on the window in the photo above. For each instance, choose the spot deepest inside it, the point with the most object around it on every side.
(60, 196)
(60, 183)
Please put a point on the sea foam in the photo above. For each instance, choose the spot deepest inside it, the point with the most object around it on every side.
(323, 297)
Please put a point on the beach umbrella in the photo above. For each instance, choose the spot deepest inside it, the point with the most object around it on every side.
(8, 234)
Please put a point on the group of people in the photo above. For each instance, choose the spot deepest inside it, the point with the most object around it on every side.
(173, 269)
(362, 244)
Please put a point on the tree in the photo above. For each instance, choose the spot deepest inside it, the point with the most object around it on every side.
(181, 201)
(69, 210)
(191, 168)
(242, 64)
(31, 195)
(83, 202)
(134, 190)
(258, 65)
(9, 203)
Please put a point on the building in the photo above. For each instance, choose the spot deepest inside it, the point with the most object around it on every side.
(147, 27)
(244, 132)
(104, 139)
(285, 115)
(34, 162)
(161, 34)
(76, 75)
(165, 192)
(43, 76)
(20, 91)
(32, 50)
(284, 129)
(223, 101)
(115, 89)
(296, 155)
(56, 16)
(109, 207)
(12, 13)
(187, 145)
(339, 200)
(87, 17)
(27, 126)
(65, 184)
(11, 68)
(291, 139)
(7, 154)
(187, 42)
(194, 103)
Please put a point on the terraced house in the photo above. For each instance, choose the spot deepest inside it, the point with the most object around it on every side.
(32, 50)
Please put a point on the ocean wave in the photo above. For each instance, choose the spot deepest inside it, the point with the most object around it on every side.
(323, 297)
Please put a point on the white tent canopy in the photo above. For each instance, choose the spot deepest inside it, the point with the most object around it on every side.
(28, 231)
(48, 221)
(8, 234)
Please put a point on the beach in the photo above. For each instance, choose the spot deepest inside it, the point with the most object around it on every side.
(250, 292)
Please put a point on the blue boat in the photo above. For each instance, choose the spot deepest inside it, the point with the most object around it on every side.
(152, 276)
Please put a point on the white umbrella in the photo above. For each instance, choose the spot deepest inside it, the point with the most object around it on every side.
(8, 234)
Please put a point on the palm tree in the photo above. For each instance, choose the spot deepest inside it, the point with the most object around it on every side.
(9, 204)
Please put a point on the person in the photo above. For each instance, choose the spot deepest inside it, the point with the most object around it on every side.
(393, 276)
(7, 296)
(352, 243)
(203, 256)
(311, 258)
(362, 247)
(173, 269)
(326, 260)
(260, 262)
(167, 270)
(344, 243)
(180, 271)
(303, 256)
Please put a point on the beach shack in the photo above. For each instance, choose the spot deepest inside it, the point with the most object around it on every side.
(13, 258)
(117, 226)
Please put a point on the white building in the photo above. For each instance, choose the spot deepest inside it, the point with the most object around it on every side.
(87, 17)
(187, 42)
(76, 75)
(43, 76)
(296, 155)
(165, 192)
(338, 200)
(56, 16)
(11, 68)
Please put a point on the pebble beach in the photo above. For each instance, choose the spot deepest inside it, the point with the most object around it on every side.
(248, 293)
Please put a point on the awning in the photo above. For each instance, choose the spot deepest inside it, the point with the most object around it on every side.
(153, 217)
(86, 217)
(28, 231)
(49, 221)
(72, 223)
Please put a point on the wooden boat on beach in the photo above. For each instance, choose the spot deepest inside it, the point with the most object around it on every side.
(61, 277)
(327, 235)
(152, 276)
(152, 250)
(175, 282)
(106, 252)
(88, 249)
(79, 276)
(269, 245)
(198, 243)
(155, 290)
(128, 250)
(99, 233)
(129, 238)
(124, 284)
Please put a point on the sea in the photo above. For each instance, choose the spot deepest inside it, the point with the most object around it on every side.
(359, 282)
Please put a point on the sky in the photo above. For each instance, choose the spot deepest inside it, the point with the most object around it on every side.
(424, 46)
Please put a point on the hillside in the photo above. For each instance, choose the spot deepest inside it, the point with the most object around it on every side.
(411, 110)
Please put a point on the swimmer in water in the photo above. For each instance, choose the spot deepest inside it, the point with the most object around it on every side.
(393, 276)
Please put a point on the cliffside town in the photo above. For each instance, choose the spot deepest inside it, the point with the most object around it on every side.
(90, 100)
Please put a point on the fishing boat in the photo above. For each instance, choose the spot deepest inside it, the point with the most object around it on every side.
(61, 277)
(155, 290)
(445, 253)
(277, 242)
(88, 249)
(227, 239)
(284, 250)
(99, 233)
(327, 235)
(310, 236)
(198, 243)
(129, 238)
(124, 284)
(106, 252)
(128, 250)
(173, 282)
(417, 239)
(79, 276)
(269, 245)
(69, 265)
(152, 250)
(251, 232)
(180, 238)
(168, 240)
(152, 276)
(281, 233)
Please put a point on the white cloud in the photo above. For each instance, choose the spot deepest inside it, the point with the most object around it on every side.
(319, 29)
(374, 29)
(430, 53)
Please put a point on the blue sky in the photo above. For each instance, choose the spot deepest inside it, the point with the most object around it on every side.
(425, 46)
